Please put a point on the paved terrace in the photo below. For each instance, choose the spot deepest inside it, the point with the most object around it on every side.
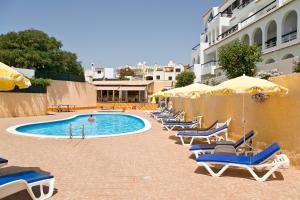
(151, 165)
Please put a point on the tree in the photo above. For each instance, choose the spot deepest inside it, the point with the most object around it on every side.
(239, 58)
(34, 49)
(185, 78)
(126, 72)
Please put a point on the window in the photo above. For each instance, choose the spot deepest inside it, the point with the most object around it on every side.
(178, 70)
(170, 78)
(157, 77)
(99, 72)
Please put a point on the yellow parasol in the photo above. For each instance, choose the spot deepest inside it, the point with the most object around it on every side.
(194, 90)
(248, 85)
(159, 94)
(9, 78)
(172, 92)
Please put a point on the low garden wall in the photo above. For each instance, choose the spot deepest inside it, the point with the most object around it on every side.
(81, 94)
(14, 104)
(276, 120)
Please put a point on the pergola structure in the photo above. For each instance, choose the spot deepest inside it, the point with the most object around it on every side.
(122, 91)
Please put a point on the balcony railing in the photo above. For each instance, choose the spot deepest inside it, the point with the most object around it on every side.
(196, 47)
(271, 42)
(289, 36)
(228, 32)
(249, 19)
(244, 4)
(207, 67)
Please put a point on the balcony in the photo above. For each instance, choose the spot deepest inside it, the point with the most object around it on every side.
(228, 32)
(208, 67)
(289, 36)
(244, 4)
(271, 42)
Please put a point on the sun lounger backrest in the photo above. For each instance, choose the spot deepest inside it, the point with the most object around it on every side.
(265, 154)
(212, 125)
(219, 129)
(244, 138)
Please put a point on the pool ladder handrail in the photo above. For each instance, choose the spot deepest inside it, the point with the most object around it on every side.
(82, 132)
(71, 132)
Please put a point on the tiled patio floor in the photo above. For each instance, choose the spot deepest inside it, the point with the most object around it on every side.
(149, 165)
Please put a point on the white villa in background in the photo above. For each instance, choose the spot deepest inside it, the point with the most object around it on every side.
(98, 73)
(155, 72)
(271, 24)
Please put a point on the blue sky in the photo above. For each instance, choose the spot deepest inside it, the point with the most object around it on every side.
(113, 32)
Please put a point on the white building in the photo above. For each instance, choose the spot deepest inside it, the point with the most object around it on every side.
(156, 72)
(271, 24)
(99, 73)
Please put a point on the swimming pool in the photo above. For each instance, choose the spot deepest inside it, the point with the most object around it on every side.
(105, 125)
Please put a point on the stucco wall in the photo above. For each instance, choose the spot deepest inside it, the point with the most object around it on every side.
(67, 92)
(22, 104)
(276, 120)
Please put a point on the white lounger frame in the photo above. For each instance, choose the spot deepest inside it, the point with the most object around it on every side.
(280, 161)
(179, 117)
(19, 185)
(216, 135)
(197, 122)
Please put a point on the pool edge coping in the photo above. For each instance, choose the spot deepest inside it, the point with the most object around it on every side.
(12, 129)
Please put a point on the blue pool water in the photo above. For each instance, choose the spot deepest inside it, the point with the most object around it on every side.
(105, 124)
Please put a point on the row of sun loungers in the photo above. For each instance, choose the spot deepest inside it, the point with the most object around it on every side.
(26, 180)
(209, 155)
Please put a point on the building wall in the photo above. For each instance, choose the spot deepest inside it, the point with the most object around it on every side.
(275, 120)
(247, 29)
(22, 104)
(67, 92)
(159, 85)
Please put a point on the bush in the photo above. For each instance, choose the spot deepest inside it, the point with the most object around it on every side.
(40, 82)
(297, 66)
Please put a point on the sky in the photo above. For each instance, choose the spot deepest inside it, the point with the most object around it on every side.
(113, 32)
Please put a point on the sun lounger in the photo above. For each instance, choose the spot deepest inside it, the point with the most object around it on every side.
(13, 183)
(170, 125)
(3, 162)
(163, 112)
(263, 160)
(210, 148)
(179, 116)
(207, 135)
(197, 129)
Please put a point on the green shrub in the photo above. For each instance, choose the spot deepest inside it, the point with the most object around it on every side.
(297, 66)
(40, 82)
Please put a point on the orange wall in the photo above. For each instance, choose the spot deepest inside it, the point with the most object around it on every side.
(22, 104)
(67, 92)
(276, 120)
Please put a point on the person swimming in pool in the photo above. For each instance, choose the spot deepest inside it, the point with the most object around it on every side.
(91, 118)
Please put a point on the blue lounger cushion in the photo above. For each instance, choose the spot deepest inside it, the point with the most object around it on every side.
(2, 161)
(179, 123)
(207, 133)
(28, 176)
(237, 144)
(246, 160)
